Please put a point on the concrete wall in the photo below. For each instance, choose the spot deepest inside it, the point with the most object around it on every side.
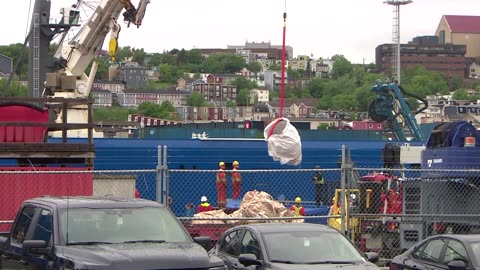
(116, 185)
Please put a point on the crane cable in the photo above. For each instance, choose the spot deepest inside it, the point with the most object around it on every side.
(282, 81)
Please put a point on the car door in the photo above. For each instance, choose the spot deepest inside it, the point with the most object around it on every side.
(456, 251)
(428, 256)
(13, 256)
(250, 244)
(33, 224)
(228, 249)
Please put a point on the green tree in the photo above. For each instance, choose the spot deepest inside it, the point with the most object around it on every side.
(231, 104)
(139, 56)
(345, 102)
(317, 87)
(15, 89)
(154, 110)
(194, 56)
(112, 114)
(341, 66)
(169, 73)
(364, 95)
(18, 53)
(182, 57)
(243, 97)
(196, 99)
(254, 67)
(223, 63)
(455, 83)
(460, 94)
(325, 103)
(124, 53)
(243, 83)
(155, 60)
(322, 126)
(168, 58)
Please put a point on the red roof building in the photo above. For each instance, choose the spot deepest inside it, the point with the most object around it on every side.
(460, 30)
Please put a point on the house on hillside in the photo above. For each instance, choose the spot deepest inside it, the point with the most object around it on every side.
(460, 30)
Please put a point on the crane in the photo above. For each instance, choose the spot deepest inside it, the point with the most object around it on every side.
(68, 78)
(391, 107)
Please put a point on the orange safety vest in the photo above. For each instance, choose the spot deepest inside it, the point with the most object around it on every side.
(221, 176)
(236, 175)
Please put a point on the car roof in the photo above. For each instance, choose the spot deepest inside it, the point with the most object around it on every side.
(463, 237)
(93, 202)
(284, 226)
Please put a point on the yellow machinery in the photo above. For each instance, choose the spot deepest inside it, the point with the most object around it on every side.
(352, 224)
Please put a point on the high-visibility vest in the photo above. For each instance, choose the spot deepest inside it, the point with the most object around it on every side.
(318, 179)
(296, 210)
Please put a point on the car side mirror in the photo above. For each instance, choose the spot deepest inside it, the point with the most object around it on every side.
(457, 265)
(204, 241)
(34, 246)
(249, 259)
(372, 256)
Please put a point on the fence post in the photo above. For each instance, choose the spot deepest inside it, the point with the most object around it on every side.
(159, 194)
(342, 191)
(165, 176)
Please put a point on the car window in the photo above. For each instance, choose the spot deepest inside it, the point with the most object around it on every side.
(310, 247)
(250, 245)
(43, 228)
(455, 251)
(432, 251)
(24, 221)
(230, 242)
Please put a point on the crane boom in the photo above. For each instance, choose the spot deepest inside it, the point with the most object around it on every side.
(68, 78)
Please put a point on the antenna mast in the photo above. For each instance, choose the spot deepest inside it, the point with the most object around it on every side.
(396, 36)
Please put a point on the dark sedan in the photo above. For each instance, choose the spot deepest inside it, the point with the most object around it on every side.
(289, 246)
(449, 251)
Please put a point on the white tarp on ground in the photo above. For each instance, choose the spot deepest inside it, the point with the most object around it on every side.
(255, 204)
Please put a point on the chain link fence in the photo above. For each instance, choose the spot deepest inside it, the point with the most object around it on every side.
(382, 210)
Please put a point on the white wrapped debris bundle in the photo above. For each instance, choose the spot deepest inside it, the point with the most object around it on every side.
(255, 204)
(284, 143)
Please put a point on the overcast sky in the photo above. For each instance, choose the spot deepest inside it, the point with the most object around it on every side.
(319, 27)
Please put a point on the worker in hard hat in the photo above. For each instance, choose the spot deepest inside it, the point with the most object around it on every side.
(236, 181)
(297, 208)
(335, 209)
(204, 205)
(319, 182)
(221, 185)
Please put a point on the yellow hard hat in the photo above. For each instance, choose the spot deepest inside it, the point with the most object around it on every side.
(235, 162)
(221, 163)
(298, 200)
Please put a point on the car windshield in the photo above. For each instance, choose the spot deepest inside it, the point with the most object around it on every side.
(310, 247)
(147, 224)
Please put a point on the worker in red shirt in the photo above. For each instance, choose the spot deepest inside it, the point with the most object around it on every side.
(236, 181)
(221, 185)
(204, 205)
(297, 208)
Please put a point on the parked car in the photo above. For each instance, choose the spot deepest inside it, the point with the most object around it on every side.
(289, 246)
(448, 251)
(101, 233)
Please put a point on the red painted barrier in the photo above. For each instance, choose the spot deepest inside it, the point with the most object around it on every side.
(18, 187)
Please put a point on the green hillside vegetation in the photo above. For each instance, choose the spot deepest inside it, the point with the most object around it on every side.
(348, 89)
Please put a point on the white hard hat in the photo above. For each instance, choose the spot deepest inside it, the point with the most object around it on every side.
(204, 199)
